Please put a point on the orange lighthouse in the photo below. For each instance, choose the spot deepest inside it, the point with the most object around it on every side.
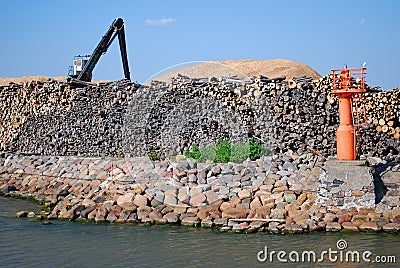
(347, 84)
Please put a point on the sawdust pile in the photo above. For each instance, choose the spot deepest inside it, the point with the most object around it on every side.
(243, 68)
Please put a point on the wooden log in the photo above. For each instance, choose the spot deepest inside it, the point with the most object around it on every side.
(292, 84)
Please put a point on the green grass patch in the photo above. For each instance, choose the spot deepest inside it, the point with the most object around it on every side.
(225, 151)
(154, 155)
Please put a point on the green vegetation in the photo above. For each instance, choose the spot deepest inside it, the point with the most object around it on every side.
(257, 150)
(154, 155)
(240, 152)
(223, 154)
(224, 151)
(195, 153)
(207, 153)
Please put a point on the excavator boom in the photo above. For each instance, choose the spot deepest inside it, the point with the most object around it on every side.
(116, 29)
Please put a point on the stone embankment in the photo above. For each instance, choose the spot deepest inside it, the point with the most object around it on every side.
(277, 194)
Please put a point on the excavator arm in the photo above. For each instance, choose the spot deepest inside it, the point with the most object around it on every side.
(117, 28)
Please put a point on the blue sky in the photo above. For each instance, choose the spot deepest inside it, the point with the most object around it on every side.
(41, 37)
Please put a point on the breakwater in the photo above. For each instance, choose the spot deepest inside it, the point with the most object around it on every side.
(277, 193)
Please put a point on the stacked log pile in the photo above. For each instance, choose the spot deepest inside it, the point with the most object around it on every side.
(301, 115)
(62, 119)
(32, 99)
(298, 115)
(169, 119)
(121, 119)
(382, 113)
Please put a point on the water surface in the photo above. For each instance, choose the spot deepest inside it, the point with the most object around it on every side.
(27, 243)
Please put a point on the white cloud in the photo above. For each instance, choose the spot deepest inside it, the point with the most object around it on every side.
(363, 21)
(159, 22)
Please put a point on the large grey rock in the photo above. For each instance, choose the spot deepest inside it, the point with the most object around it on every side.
(190, 221)
(195, 191)
(170, 200)
(171, 217)
(143, 212)
(8, 188)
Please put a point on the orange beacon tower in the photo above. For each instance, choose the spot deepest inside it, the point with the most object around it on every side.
(348, 84)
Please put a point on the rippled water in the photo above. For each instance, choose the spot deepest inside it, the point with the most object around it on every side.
(27, 243)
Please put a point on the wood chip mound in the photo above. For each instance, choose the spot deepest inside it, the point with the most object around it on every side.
(243, 68)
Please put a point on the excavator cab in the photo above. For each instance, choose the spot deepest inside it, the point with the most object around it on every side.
(79, 62)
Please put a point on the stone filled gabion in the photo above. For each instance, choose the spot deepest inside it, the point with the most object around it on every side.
(125, 119)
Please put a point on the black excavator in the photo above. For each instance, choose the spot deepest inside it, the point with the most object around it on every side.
(84, 65)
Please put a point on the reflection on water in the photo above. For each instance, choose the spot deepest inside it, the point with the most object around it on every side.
(27, 243)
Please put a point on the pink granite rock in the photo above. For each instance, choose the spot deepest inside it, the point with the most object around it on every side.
(140, 200)
(126, 201)
(391, 227)
(349, 226)
(369, 226)
(197, 200)
(344, 218)
(101, 214)
(234, 213)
